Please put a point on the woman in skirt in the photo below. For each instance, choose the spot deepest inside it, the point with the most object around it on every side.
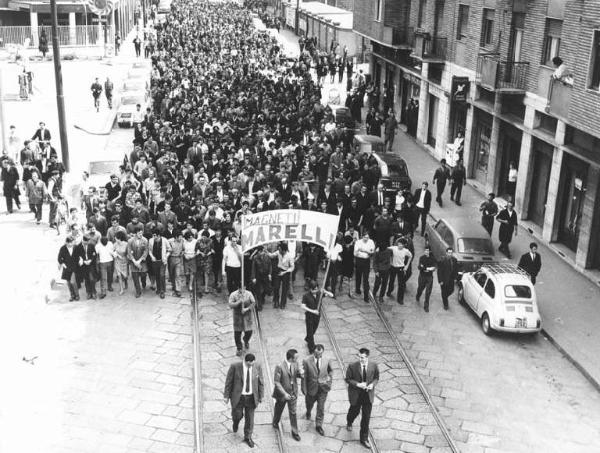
(121, 262)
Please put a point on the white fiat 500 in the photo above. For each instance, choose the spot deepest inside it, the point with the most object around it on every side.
(503, 298)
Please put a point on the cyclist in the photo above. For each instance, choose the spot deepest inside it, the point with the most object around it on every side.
(96, 92)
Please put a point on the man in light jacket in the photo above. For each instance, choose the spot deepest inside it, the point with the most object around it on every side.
(316, 384)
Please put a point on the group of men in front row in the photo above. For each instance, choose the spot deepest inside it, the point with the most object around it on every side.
(244, 388)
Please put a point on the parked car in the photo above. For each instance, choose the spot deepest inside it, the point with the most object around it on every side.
(363, 143)
(129, 100)
(393, 172)
(343, 117)
(503, 298)
(471, 243)
(135, 85)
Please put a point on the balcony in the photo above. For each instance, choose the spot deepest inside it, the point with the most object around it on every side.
(559, 99)
(504, 76)
(430, 48)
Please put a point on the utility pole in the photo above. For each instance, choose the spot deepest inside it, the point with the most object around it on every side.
(144, 12)
(3, 125)
(297, 16)
(60, 99)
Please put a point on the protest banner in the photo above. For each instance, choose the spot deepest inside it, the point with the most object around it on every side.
(289, 225)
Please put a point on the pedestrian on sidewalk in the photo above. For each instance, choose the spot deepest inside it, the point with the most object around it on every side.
(427, 265)
(363, 250)
(108, 91)
(401, 260)
(440, 177)
(43, 46)
(316, 384)
(508, 225)
(121, 262)
(176, 262)
(391, 124)
(341, 66)
(362, 378)
(422, 198)
(96, 92)
(531, 262)
(137, 44)
(459, 179)
(447, 272)
(117, 45)
(241, 301)
(244, 387)
(382, 262)
(312, 312)
(488, 210)
(232, 264)
(285, 390)
(281, 279)
(88, 266)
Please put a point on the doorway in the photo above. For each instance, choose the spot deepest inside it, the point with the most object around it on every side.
(540, 178)
(483, 134)
(574, 187)
(433, 120)
(511, 151)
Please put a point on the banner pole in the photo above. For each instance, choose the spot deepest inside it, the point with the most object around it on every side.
(242, 247)
(327, 270)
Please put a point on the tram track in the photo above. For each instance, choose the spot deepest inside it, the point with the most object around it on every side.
(397, 346)
(197, 353)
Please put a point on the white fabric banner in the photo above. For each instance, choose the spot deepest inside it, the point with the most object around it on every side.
(289, 225)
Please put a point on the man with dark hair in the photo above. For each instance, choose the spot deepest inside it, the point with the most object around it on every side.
(312, 312)
(316, 384)
(422, 201)
(244, 387)
(440, 177)
(361, 376)
(488, 210)
(285, 390)
(87, 264)
(137, 252)
(426, 268)
(261, 275)
(447, 272)
(158, 250)
(531, 262)
(241, 301)
(10, 179)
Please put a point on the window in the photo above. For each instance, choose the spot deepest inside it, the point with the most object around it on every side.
(551, 41)
(490, 289)
(517, 27)
(487, 27)
(379, 13)
(595, 62)
(517, 291)
(480, 279)
(478, 246)
(463, 22)
(420, 14)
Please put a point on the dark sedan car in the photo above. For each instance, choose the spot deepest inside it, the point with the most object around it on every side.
(471, 243)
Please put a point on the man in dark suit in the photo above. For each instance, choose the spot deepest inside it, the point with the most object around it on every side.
(422, 201)
(447, 274)
(531, 262)
(318, 375)
(328, 195)
(285, 390)
(378, 196)
(88, 267)
(362, 377)
(245, 389)
(68, 259)
(42, 134)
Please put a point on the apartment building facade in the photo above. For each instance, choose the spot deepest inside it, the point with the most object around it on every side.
(484, 67)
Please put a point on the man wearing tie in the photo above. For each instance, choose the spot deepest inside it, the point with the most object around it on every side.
(286, 390)
(318, 375)
(531, 262)
(361, 377)
(378, 196)
(245, 389)
(447, 275)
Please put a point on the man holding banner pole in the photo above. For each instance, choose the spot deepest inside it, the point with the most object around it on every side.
(311, 304)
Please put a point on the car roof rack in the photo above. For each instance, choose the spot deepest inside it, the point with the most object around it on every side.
(504, 268)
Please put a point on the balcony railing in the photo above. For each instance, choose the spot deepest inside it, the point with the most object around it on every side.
(78, 35)
(495, 74)
(427, 47)
(436, 48)
(402, 36)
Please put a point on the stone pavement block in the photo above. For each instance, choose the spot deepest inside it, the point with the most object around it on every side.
(405, 426)
(151, 407)
(164, 447)
(413, 448)
(133, 416)
(483, 440)
(164, 422)
(477, 427)
(407, 436)
(165, 435)
(140, 443)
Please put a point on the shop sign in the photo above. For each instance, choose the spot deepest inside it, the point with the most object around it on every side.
(460, 89)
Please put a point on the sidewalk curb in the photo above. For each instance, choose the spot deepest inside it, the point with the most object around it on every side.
(571, 359)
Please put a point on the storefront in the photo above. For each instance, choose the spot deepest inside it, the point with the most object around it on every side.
(572, 196)
(481, 145)
(510, 150)
(432, 124)
(410, 88)
(540, 177)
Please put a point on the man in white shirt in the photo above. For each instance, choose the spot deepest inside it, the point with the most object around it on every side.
(335, 258)
(401, 258)
(232, 264)
(363, 250)
(104, 249)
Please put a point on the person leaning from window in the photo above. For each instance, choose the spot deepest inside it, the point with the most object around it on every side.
(562, 73)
